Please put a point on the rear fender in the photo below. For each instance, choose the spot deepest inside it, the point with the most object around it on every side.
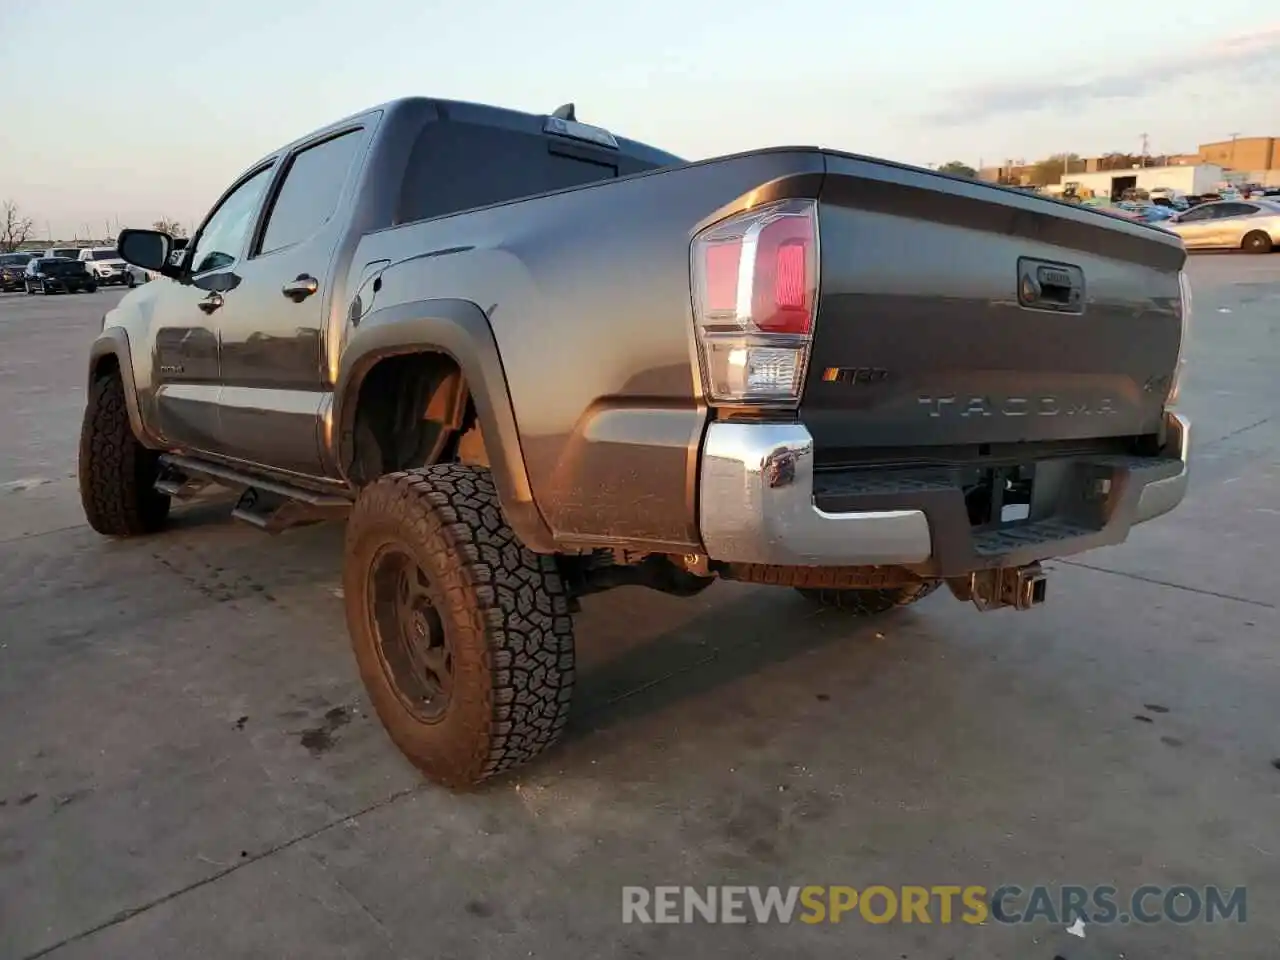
(460, 330)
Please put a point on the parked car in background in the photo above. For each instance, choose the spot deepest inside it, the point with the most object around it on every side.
(1249, 225)
(137, 275)
(106, 264)
(70, 253)
(12, 268)
(58, 275)
(1146, 212)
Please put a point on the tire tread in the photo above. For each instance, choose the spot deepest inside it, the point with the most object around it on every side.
(117, 473)
(504, 595)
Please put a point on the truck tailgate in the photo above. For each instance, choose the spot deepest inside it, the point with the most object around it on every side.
(956, 313)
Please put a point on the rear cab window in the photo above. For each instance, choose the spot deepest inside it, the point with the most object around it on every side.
(482, 156)
(308, 196)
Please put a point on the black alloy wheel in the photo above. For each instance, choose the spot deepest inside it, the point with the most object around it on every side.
(411, 639)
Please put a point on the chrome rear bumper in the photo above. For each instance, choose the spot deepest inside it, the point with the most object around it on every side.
(757, 505)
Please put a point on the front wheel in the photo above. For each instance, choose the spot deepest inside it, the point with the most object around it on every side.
(130, 281)
(869, 602)
(92, 288)
(117, 473)
(1256, 242)
(462, 634)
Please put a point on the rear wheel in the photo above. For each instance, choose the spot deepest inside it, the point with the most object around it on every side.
(92, 288)
(462, 635)
(1256, 242)
(117, 473)
(869, 602)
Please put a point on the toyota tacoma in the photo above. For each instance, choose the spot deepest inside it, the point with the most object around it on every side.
(527, 360)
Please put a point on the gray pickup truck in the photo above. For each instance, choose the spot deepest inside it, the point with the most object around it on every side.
(528, 360)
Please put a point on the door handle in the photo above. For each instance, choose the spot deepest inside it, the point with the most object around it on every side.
(210, 303)
(299, 289)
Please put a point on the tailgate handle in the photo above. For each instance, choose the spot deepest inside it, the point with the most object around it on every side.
(1050, 286)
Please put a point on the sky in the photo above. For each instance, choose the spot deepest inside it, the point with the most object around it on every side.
(145, 109)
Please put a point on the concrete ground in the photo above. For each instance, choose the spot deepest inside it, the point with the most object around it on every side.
(189, 768)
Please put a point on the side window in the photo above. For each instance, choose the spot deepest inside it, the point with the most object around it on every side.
(309, 195)
(1199, 213)
(225, 233)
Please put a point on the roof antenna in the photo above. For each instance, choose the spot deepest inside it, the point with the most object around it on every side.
(565, 112)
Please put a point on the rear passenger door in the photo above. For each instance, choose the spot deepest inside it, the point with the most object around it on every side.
(272, 325)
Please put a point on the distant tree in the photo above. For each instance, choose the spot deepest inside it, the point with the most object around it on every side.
(1050, 169)
(15, 229)
(172, 227)
(1117, 160)
(956, 168)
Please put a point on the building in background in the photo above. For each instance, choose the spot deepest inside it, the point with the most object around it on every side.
(1250, 159)
(1241, 160)
(1182, 178)
(1243, 153)
(1011, 173)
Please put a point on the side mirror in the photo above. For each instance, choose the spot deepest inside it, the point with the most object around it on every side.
(148, 249)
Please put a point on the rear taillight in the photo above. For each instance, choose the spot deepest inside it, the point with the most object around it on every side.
(755, 290)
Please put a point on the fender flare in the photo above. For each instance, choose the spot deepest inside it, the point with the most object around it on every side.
(460, 330)
(114, 342)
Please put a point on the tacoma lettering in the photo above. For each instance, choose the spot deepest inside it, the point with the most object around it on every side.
(954, 406)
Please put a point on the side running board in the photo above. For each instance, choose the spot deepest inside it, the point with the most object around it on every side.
(271, 505)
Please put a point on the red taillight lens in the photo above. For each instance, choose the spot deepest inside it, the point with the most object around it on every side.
(755, 287)
(781, 296)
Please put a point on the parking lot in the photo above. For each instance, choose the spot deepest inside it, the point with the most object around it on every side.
(189, 768)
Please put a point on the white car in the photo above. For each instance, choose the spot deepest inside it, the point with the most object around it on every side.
(106, 264)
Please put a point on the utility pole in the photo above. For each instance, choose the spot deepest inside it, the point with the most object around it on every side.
(1234, 137)
(1146, 148)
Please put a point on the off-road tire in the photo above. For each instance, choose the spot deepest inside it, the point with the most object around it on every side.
(117, 473)
(503, 608)
(868, 603)
(1256, 241)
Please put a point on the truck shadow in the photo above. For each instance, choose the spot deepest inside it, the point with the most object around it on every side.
(641, 653)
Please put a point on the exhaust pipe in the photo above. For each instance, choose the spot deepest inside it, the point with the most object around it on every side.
(1018, 587)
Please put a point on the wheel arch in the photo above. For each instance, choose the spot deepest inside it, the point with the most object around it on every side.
(110, 354)
(459, 334)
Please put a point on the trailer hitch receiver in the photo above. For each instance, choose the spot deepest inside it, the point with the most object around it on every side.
(1018, 587)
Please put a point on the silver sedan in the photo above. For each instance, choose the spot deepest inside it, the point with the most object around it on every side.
(1249, 225)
